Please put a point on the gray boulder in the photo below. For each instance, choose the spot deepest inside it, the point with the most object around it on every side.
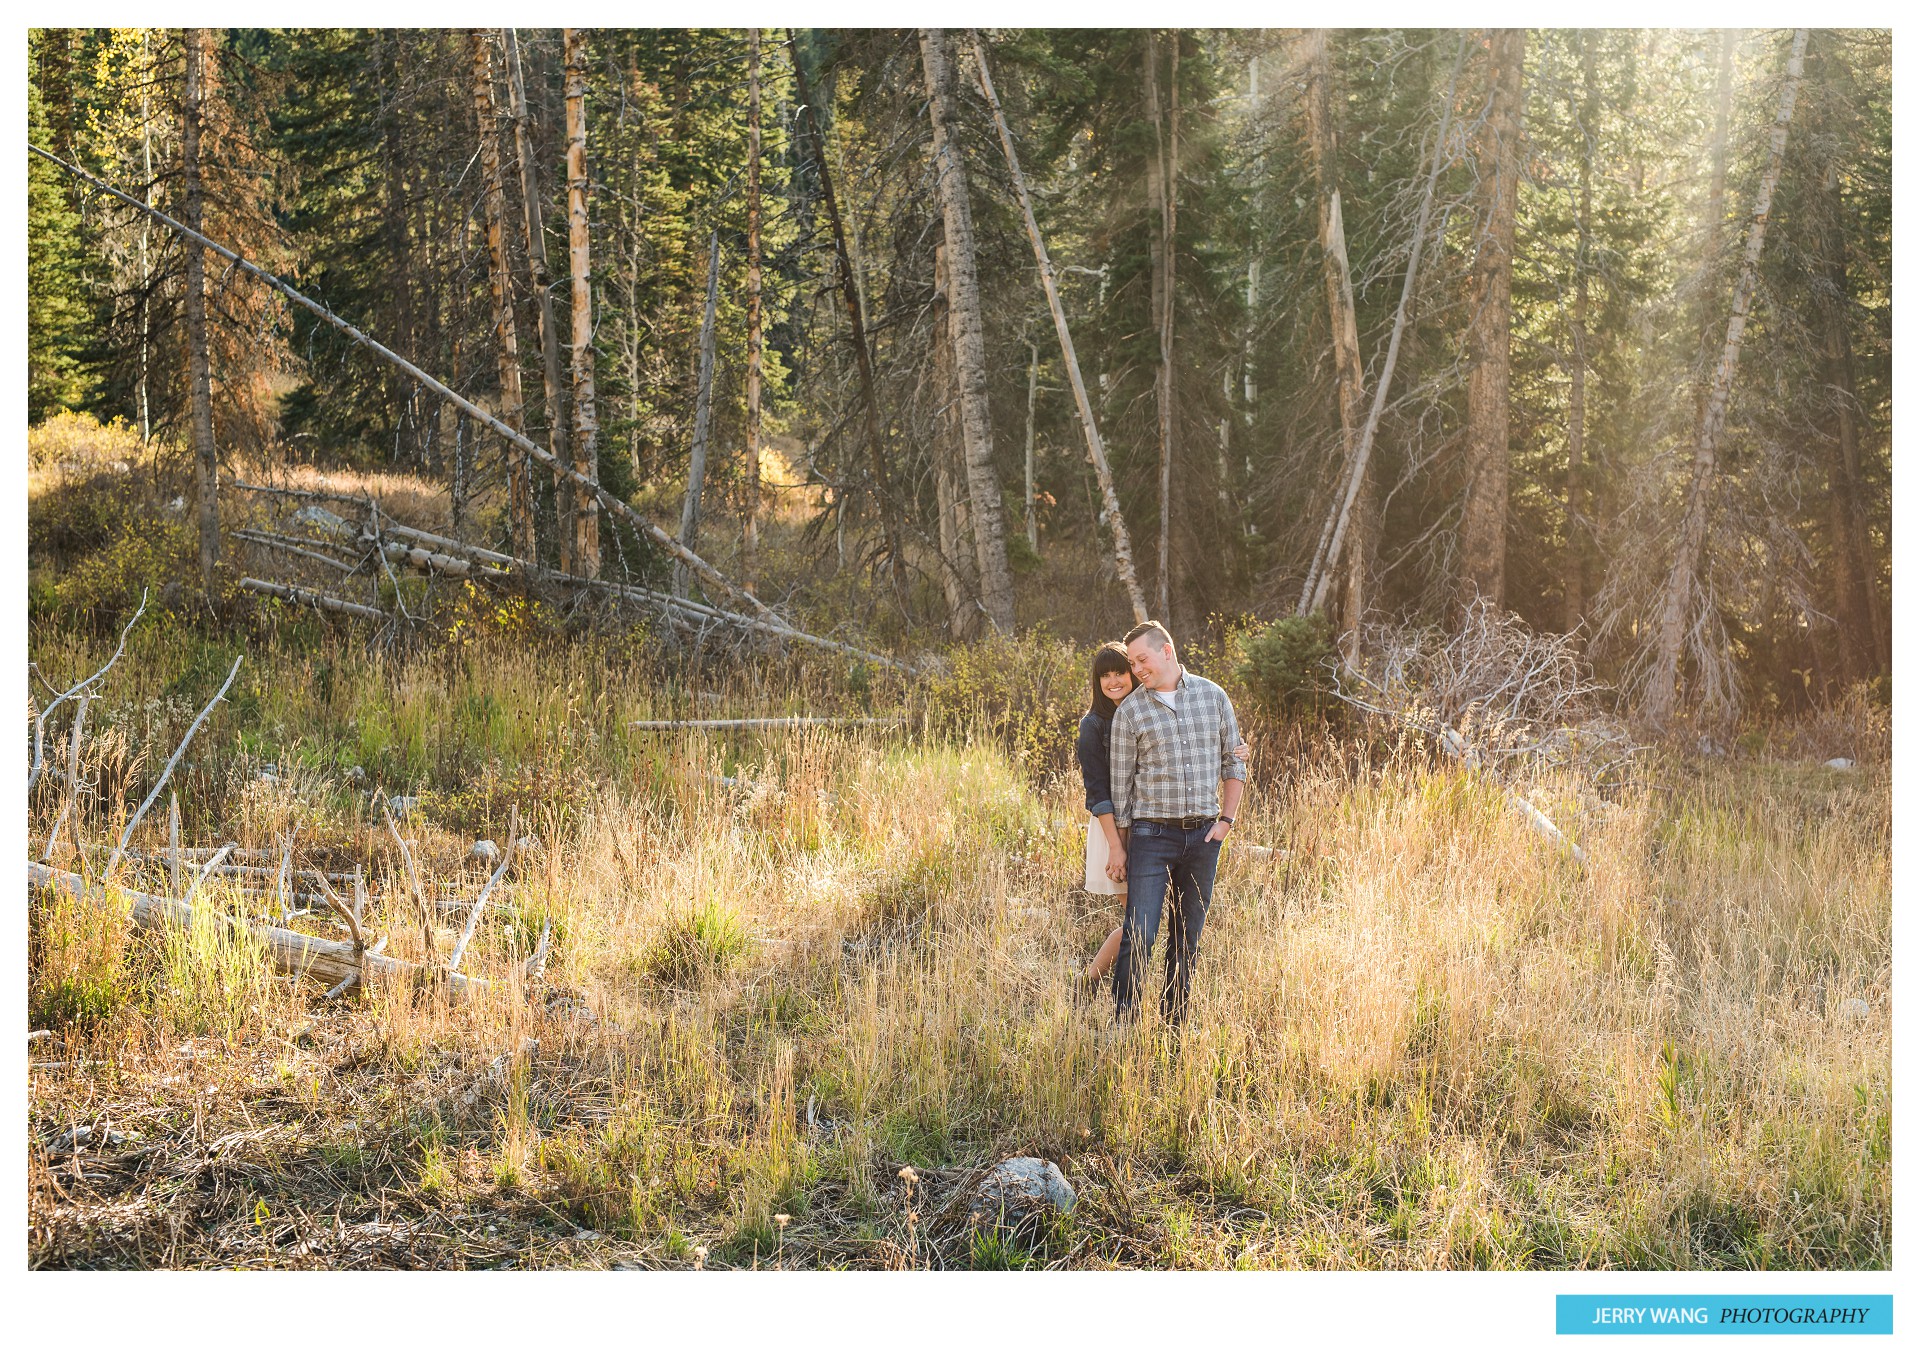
(1021, 1193)
(484, 851)
(1839, 762)
(324, 522)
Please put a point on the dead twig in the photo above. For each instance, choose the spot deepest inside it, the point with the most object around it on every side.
(473, 918)
(40, 723)
(167, 773)
(73, 775)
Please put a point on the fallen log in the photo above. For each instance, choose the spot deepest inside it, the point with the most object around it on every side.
(425, 551)
(457, 558)
(323, 959)
(287, 544)
(754, 724)
(319, 600)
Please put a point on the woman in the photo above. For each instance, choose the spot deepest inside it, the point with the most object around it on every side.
(1112, 682)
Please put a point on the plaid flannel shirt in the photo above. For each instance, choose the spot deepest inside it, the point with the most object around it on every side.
(1168, 762)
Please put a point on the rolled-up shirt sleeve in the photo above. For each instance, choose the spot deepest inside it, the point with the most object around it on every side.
(1230, 767)
(1121, 783)
(1095, 772)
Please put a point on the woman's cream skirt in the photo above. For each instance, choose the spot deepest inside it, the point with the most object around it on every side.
(1097, 880)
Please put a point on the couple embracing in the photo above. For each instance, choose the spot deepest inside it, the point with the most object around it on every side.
(1164, 770)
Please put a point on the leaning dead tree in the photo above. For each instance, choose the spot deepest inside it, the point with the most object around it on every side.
(1679, 622)
(749, 606)
(1096, 448)
(849, 285)
(1337, 277)
(1333, 537)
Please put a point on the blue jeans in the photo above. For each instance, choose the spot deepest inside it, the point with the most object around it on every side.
(1160, 859)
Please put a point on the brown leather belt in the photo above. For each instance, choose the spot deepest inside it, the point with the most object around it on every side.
(1177, 822)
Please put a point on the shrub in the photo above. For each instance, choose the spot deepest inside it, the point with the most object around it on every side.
(1285, 668)
(1026, 692)
(77, 966)
(706, 940)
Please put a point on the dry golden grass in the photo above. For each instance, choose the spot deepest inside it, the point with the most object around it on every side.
(1419, 1038)
(826, 975)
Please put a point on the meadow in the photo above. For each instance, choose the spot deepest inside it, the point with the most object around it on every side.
(804, 986)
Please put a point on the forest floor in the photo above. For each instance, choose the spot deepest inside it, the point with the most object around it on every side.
(804, 987)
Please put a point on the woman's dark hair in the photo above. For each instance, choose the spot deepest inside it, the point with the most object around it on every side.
(1107, 659)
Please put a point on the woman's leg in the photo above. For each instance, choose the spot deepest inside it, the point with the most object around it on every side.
(1103, 960)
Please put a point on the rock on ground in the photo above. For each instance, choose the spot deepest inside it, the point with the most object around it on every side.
(1020, 1192)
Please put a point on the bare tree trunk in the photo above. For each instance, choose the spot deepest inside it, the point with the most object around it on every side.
(857, 336)
(1574, 573)
(1680, 597)
(1716, 214)
(959, 566)
(1340, 514)
(968, 332)
(702, 414)
(146, 237)
(459, 325)
(586, 424)
(457, 474)
(506, 338)
(541, 269)
(1096, 449)
(1161, 192)
(206, 463)
(750, 525)
(1483, 519)
(1033, 394)
(1336, 276)
(399, 269)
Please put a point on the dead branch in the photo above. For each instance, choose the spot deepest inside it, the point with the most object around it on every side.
(73, 775)
(167, 773)
(207, 871)
(341, 909)
(537, 964)
(40, 723)
(1494, 695)
(473, 917)
(268, 539)
(319, 600)
(296, 953)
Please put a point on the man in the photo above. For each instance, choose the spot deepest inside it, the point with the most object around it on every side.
(1176, 789)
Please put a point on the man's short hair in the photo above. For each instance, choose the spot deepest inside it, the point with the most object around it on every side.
(1152, 626)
